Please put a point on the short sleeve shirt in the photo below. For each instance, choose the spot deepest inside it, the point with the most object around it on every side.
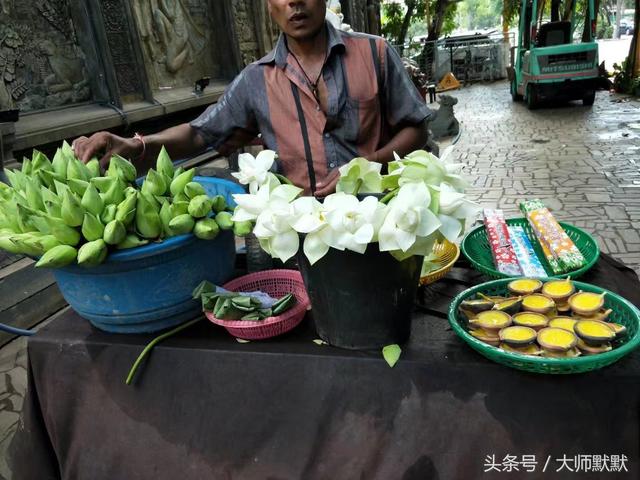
(368, 93)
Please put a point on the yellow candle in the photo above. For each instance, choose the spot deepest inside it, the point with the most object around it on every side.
(525, 285)
(565, 323)
(492, 319)
(556, 339)
(530, 319)
(558, 288)
(537, 302)
(517, 334)
(586, 301)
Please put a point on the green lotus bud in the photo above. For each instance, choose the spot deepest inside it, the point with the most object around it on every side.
(131, 241)
(60, 188)
(11, 176)
(179, 182)
(164, 165)
(114, 232)
(48, 177)
(64, 233)
(52, 202)
(126, 170)
(166, 214)
(223, 219)
(8, 245)
(177, 172)
(77, 186)
(72, 212)
(206, 229)
(91, 200)
(219, 203)
(25, 217)
(199, 206)
(26, 166)
(181, 197)
(108, 214)
(162, 200)
(130, 191)
(193, 189)
(47, 242)
(59, 256)
(39, 161)
(92, 228)
(67, 151)
(16, 178)
(92, 253)
(242, 229)
(26, 242)
(59, 163)
(148, 223)
(115, 194)
(180, 207)
(103, 184)
(152, 200)
(182, 224)
(154, 183)
(34, 197)
(93, 166)
(5, 191)
(126, 210)
(77, 170)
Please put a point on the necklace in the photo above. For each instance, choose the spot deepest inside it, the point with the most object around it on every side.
(312, 85)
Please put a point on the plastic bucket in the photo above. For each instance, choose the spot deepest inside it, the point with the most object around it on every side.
(361, 301)
(148, 288)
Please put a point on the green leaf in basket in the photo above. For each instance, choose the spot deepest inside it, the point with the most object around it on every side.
(391, 354)
(283, 304)
(241, 340)
(203, 287)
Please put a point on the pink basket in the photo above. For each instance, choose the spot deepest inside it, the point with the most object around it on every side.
(276, 283)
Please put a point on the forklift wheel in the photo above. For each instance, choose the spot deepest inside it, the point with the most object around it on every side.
(589, 98)
(532, 97)
(515, 96)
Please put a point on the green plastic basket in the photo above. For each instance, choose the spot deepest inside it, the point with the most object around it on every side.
(623, 312)
(475, 246)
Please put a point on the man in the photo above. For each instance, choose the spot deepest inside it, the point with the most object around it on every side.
(319, 99)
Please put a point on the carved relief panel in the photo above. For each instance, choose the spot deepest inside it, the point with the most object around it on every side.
(177, 41)
(41, 63)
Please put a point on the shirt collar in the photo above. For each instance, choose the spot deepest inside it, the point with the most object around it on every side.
(280, 53)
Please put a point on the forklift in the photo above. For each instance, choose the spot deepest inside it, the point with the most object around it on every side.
(551, 59)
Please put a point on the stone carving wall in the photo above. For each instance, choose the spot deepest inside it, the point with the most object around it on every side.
(256, 32)
(176, 38)
(41, 63)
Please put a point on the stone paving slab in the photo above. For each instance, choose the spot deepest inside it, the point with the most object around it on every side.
(583, 162)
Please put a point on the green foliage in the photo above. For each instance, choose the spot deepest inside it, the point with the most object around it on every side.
(623, 81)
(393, 15)
(479, 14)
(391, 19)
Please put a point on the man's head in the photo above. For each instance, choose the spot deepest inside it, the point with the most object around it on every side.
(299, 19)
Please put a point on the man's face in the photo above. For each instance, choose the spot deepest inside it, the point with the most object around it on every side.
(299, 19)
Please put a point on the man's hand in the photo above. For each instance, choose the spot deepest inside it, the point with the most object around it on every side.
(106, 144)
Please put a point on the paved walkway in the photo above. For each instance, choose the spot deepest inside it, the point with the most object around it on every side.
(582, 162)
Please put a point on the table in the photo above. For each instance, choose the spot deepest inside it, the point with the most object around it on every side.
(205, 406)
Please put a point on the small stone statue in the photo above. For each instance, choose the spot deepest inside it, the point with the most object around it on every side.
(444, 122)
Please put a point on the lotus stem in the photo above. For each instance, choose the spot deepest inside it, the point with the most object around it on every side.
(387, 198)
(153, 343)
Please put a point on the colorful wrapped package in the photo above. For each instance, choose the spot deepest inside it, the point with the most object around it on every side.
(504, 257)
(527, 258)
(552, 235)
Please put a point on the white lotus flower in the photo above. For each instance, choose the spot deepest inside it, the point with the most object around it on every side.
(363, 172)
(408, 218)
(255, 171)
(353, 223)
(250, 206)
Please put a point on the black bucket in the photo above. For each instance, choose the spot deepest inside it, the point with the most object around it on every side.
(361, 301)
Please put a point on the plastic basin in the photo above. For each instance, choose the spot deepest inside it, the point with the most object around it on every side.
(148, 288)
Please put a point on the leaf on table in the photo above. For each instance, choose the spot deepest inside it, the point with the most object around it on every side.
(242, 340)
(391, 354)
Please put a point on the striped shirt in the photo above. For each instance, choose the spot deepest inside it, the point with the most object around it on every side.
(368, 93)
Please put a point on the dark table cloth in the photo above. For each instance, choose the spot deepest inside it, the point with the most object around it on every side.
(207, 407)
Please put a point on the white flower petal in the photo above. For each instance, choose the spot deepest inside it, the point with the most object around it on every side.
(264, 159)
(285, 245)
(314, 247)
(450, 227)
(404, 239)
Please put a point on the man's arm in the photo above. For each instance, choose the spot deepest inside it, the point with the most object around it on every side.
(180, 141)
(406, 140)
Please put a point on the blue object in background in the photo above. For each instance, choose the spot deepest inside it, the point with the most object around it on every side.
(148, 288)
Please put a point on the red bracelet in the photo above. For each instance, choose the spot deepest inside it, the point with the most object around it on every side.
(137, 136)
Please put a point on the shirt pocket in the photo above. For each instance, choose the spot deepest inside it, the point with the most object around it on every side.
(360, 118)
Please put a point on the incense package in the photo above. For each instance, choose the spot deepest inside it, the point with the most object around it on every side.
(504, 256)
(527, 258)
(552, 236)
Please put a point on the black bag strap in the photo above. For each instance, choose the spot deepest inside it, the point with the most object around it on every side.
(305, 138)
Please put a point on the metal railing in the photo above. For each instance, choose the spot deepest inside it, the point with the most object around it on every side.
(469, 58)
